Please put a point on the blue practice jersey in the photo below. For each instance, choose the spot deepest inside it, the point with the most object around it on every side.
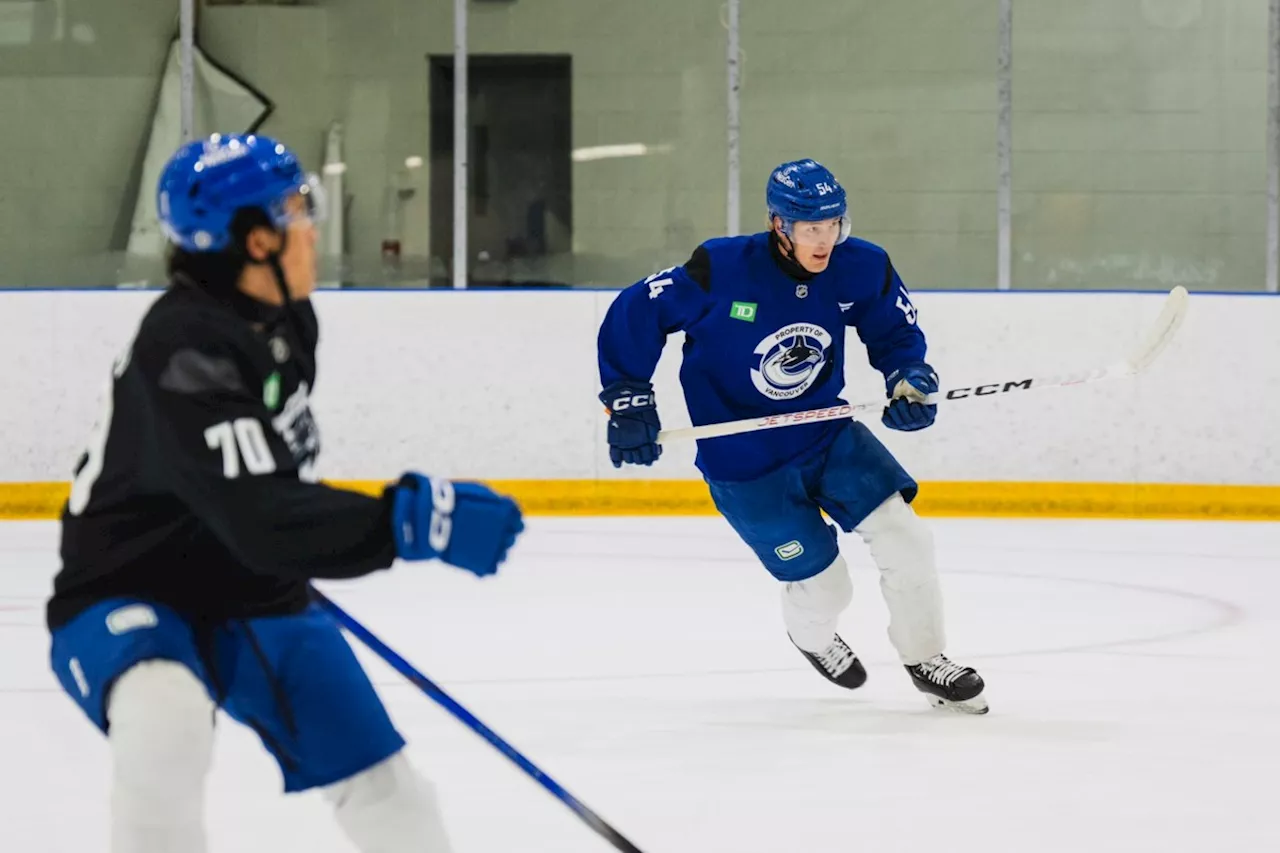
(760, 342)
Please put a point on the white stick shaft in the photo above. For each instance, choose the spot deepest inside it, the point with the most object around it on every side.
(968, 392)
(1162, 331)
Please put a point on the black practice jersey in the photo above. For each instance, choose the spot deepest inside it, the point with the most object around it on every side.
(198, 488)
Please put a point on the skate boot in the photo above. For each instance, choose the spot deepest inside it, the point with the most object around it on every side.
(838, 664)
(949, 685)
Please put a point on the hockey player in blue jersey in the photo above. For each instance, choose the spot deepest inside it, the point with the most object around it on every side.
(764, 318)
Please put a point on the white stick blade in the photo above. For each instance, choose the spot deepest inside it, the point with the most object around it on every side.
(1163, 331)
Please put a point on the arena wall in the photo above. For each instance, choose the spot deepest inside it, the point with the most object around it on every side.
(502, 386)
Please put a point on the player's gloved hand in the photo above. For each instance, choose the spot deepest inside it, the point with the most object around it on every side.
(633, 423)
(464, 524)
(907, 388)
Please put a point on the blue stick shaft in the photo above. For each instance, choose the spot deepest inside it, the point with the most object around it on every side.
(433, 690)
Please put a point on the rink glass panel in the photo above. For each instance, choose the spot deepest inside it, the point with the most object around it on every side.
(1139, 133)
(898, 99)
(1139, 143)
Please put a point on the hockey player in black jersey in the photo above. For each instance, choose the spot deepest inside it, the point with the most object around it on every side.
(196, 523)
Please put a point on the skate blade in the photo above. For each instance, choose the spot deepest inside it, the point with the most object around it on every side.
(976, 705)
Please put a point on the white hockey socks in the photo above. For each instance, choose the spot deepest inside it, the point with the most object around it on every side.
(811, 608)
(161, 737)
(902, 548)
(389, 808)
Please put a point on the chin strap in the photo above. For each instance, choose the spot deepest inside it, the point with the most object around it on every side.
(274, 262)
(277, 271)
(783, 256)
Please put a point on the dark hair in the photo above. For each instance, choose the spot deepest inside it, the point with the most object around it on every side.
(223, 267)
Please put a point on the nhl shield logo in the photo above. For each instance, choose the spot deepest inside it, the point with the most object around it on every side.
(802, 290)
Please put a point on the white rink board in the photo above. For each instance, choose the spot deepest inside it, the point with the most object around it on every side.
(502, 385)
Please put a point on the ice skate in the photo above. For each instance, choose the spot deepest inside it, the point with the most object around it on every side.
(949, 685)
(838, 664)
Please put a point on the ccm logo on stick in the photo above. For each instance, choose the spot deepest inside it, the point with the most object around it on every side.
(987, 390)
(639, 401)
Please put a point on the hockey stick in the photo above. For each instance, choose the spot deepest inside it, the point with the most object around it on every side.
(432, 690)
(1162, 331)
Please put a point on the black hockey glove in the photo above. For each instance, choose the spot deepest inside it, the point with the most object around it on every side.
(633, 423)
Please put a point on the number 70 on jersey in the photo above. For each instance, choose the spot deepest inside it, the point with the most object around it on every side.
(241, 438)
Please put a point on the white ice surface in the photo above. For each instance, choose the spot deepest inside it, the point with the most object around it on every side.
(1131, 669)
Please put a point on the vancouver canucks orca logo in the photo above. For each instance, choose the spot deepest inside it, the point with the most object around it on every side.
(791, 359)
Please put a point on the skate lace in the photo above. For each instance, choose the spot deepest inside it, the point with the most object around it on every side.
(836, 658)
(941, 671)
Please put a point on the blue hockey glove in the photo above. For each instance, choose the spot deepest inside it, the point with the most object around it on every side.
(633, 423)
(464, 524)
(907, 388)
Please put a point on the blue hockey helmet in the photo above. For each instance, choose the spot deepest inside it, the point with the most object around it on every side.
(806, 191)
(207, 181)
